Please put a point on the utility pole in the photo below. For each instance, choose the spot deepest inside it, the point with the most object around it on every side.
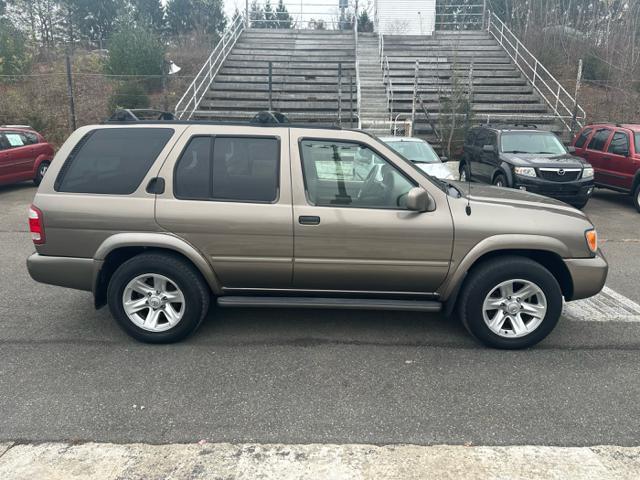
(246, 17)
(575, 99)
(72, 107)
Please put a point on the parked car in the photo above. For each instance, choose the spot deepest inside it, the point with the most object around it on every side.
(527, 159)
(614, 152)
(424, 156)
(24, 155)
(158, 218)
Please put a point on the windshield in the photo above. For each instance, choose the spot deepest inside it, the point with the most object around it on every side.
(419, 152)
(543, 143)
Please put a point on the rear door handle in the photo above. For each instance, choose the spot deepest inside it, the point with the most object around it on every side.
(309, 220)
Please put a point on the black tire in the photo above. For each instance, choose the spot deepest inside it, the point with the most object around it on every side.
(485, 277)
(500, 180)
(580, 205)
(636, 197)
(42, 168)
(184, 275)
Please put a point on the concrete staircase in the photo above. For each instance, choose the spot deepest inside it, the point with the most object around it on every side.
(305, 77)
(373, 109)
(501, 94)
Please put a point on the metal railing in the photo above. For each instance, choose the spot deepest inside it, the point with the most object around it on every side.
(386, 75)
(196, 91)
(459, 15)
(563, 105)
(303, 15)
(357, 62)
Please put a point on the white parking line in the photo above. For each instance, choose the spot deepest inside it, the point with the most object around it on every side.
(607, 306)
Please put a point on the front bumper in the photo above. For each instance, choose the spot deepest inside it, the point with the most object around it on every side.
(576, 192)
(69, 272)
(588, 275)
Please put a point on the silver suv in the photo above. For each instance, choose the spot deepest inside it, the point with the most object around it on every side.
(156, 219)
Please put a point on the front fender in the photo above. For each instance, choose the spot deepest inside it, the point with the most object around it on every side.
(505, 169)
(156, 240)
(498, 243)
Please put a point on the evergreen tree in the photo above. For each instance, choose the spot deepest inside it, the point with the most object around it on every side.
(97, 19)
(149, 12)
(364, 22)
(204, 16)
(269, 15)
(282, 15)
(256, 15)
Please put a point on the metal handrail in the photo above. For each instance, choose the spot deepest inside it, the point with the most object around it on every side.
(388, 83)
(357, 62)
(563, 104)
(196, 91)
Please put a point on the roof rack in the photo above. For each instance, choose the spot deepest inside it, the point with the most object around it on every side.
(262, 119)
(137, 114)
(507, 125)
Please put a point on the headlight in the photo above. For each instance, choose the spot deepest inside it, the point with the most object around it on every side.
(587, 172)
(525, 171)
(592, 239)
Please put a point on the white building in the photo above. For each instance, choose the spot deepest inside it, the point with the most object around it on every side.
(405, 17)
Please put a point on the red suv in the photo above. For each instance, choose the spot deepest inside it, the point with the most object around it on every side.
(614, 153)
(24, 155)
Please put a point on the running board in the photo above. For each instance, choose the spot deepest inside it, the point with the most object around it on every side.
(337, 303)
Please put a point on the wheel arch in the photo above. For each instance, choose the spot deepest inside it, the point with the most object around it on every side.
(121, 247)
(505, 170)
(547, 251)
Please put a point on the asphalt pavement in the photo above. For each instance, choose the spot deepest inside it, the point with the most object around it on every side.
(67, 373)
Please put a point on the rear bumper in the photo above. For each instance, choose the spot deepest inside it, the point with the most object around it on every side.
(588, 275)
(69, 272)
(578, 191)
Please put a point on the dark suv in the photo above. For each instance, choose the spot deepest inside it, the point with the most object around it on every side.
(527, 159)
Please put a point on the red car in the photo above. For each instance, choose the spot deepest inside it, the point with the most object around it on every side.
(24, 155)
(614, 152)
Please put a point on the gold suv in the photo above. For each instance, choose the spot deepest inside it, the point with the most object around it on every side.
(158, 219)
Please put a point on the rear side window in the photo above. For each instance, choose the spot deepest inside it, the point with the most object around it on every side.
(599, 140)
(238, 169)
(582, 139)
(112, 160)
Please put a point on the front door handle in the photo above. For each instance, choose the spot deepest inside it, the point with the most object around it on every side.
(309, 220)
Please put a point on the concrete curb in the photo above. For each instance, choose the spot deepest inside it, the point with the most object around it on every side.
(277, 461)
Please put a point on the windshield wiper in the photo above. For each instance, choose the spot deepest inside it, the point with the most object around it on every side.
(515, 151)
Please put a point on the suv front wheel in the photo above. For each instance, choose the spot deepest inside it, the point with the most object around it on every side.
(636, 197)
(158, 298)
(510, 303)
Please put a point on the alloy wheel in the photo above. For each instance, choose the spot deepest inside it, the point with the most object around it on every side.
(153, 302)
(514, 308)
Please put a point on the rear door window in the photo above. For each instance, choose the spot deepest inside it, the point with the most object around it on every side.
(619, 144)
(112, 160)
(599, 140)
(237, 169)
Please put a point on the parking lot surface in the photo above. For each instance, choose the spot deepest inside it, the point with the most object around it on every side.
(303, 376)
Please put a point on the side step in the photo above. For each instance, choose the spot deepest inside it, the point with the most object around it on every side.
(336, 303)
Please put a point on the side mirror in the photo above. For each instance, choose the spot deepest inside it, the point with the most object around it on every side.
(488, 149)
(444, 159)
(418, 200)
(571, 149)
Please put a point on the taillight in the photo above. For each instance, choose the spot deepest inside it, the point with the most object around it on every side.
(36, 227)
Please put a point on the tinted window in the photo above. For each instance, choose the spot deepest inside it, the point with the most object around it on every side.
(583, 137)
(4, 143)
(470, 138)
(246, 169)
(15, 139)
(112, 160)
(342, 174)
(193, 172)
(619, 144)
(32, 138)
(241, 169)
(481, 138)
(599, 140)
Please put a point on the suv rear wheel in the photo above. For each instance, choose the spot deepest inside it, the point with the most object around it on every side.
(158, 298)
(510, 303)
(636, 197)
